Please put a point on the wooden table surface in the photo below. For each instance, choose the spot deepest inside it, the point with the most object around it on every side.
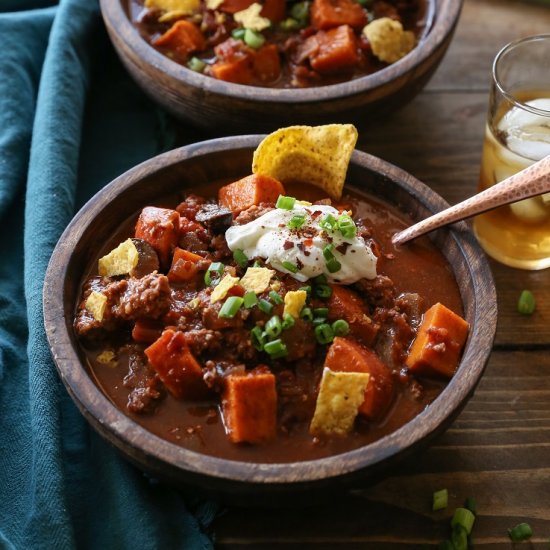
(498, 450)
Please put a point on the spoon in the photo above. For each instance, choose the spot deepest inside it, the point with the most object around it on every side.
(533, 180)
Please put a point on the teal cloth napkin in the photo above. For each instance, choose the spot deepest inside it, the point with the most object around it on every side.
(70, 121)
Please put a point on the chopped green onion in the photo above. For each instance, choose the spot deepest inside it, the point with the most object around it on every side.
(307, 290)
(306, 314)
(522, 531)
(471, 505)
(274, 326)
(254, 39)
(321, 312)
(321, 279)
(340, 327)
(289, 24)
(347, 226)
(216, 267)
(288, 321)
(464, 517)
(258, 338)
(230, 307)
(459, 538)
(526, 302)
(327, 252)
(240, 258)
(238, 34)
(440, 498)
(275, 297)
(290, 267)
(328, 222)
(285, 203)
(324, 333)
(300, 11)
(265, 306)
(276, 349)
(323, 291)
(333, 265)
(318, 321)
(445, 545)
(196, 64)
(250, 299)
(297, 221)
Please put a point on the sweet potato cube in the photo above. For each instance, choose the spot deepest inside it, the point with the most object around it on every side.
(160, 228)
(237, 70)
(267, 63)
(184, 266)
(183, 38)
(337, 51)
(250, 407)
(327, 14)
(233, 6)
(345, 304)
(438, 344)
(178, 370)
(146, 330)
(249, 191)
(345, 355)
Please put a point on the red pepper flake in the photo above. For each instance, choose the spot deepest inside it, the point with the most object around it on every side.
(288, 245)
(342, 248)
(315, 214)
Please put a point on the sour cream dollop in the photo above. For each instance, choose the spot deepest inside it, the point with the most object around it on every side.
(270, 237)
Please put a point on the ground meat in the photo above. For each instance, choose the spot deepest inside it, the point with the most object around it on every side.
(238, 342)
(146, 388)
(85, 323)
(253, 212)
(215, 373)
(201, 340)
(378, 292)
(190, 206)
(394, 337)
(219, 248)
(146, 297)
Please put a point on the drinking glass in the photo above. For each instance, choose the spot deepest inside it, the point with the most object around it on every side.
(517, 134)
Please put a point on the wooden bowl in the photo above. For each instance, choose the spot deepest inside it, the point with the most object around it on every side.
(214, 104)
(240, 482)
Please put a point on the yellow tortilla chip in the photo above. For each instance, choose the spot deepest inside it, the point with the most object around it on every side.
(120, 260)
(223, 287)
(340, 396)
(187, 6)
(311, 154)
(294, 302)
(96, 304)
(250, 18)
(256, 279)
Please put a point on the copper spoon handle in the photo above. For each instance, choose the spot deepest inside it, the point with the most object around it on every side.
(533, 180)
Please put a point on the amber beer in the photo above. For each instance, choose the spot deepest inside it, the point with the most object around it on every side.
(517, 135)
(518, 234)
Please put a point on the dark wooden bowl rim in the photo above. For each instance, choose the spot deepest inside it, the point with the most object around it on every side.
(93, 403)
(444, 19)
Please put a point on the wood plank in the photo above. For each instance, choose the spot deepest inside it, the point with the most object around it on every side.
(484, 27)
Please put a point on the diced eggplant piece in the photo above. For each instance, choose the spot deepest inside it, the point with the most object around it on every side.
(214, 217)
(148, 260)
